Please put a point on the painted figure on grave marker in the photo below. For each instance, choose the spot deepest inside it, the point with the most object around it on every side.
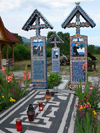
(78, 49)
(37, 48)
(55, 53)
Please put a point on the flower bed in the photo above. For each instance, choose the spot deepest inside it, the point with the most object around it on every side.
(10, 88)
(87, 109)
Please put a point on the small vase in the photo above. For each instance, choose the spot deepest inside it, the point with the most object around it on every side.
(48, 95)
(31, 113)
(40, 106)
(55, 88)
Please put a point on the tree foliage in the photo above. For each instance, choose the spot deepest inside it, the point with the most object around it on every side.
(64, 47)
(98, 50)
(21, 52)
(93, 50)
(18, 37)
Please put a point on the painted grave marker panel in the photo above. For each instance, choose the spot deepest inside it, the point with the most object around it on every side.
(78, 58)
(38, 62)
(78, 44)
(55, 59)
(55, 52)
(78, 73)
(38, 49)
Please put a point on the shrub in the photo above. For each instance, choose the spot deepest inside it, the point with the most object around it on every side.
(48, 52)
(54, 79)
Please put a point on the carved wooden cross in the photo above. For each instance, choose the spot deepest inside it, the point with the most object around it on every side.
(37, 26)
(78, 24)
(55, 42)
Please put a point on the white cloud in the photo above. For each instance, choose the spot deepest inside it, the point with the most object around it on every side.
(94, 40)
(15, 13)
(7, 5)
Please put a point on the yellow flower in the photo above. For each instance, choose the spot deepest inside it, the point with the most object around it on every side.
(95, 114)
(81, 107)
(88, 104)
(2, 96)
(12, 100)
(84, 106)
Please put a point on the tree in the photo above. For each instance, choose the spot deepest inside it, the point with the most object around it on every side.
(91, 49)
(48, 36)
(64, 47)
(18, 37)
(98, 50)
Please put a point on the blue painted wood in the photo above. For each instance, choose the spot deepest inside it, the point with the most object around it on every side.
(35, 17)
(56, 38)
(56, 60)
(55, 52)
(77, 11)
(38, 62)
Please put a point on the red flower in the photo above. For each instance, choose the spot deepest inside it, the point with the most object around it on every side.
(92, 108)
(71, 86)
(83, 67)
(89, 93)
(26, 74)
(11, 74)
(3, 69)
(90, 86)
(9, 79)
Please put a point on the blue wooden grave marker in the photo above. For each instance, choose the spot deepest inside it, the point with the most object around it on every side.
(78, 45)
(55, 52)
(38, 49)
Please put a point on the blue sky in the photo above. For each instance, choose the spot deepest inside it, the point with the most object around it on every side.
(15, 13)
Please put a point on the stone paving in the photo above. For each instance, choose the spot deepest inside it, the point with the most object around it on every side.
(57, 116)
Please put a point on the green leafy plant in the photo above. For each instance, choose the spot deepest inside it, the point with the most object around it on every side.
(87, 108)
(86, 125)
(10, 89)
(54, 79)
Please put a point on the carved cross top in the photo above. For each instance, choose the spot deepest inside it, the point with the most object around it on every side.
(78, 24)
(77, 12)
(55, 42)
(37, 26)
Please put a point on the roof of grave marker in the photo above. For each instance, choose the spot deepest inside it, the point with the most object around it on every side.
(79, 9)
(55, 36)
(32, 19)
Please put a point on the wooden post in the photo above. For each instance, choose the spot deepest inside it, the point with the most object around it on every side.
(6, 51)
(12, 51)
(2, 50)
